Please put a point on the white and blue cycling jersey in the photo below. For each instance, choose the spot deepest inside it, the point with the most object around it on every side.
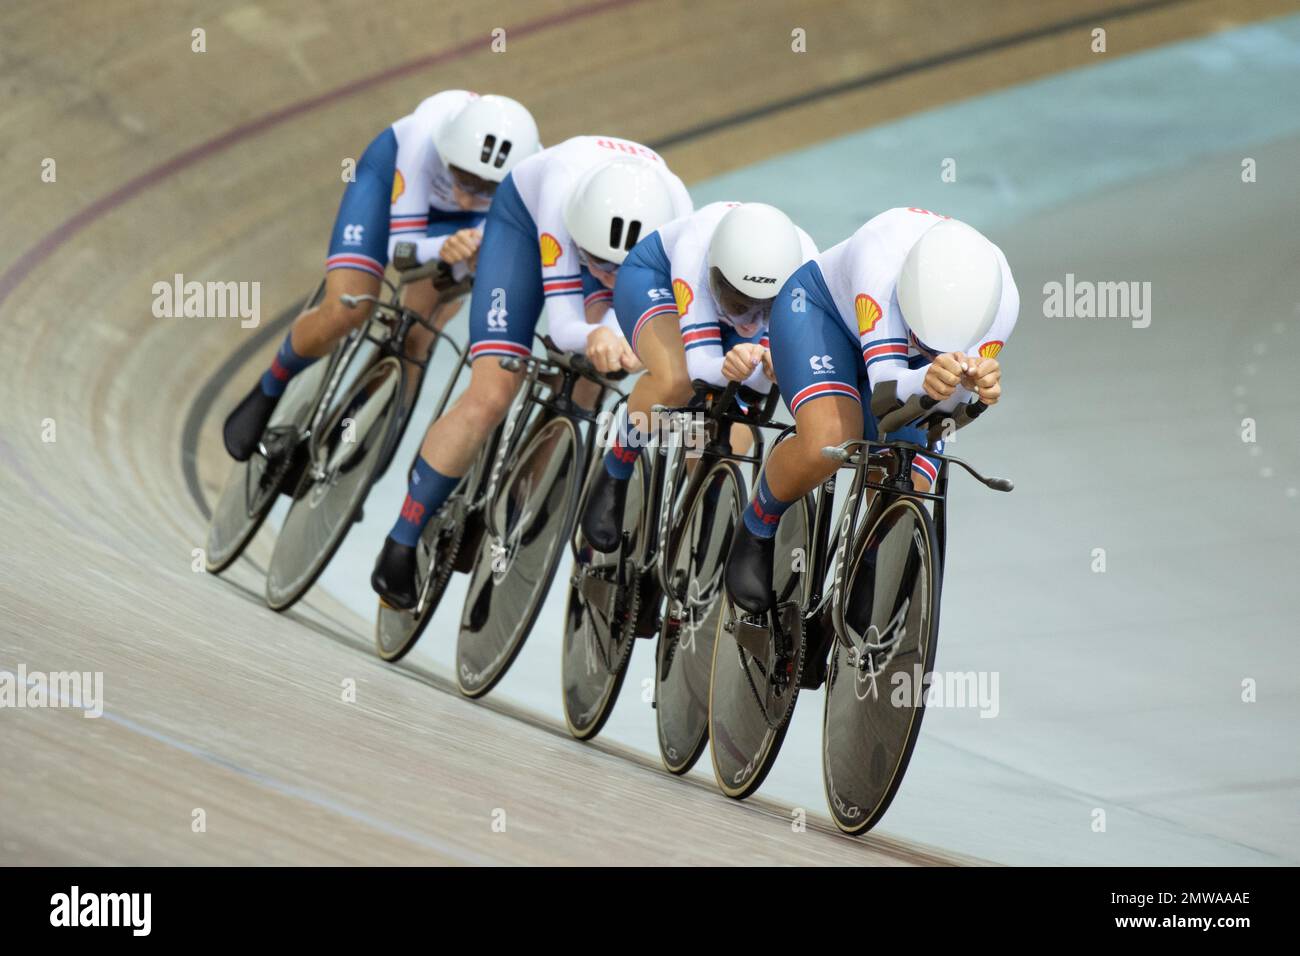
(402, 192)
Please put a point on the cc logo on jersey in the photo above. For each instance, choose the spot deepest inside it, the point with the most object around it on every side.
(659, 293)
(821, 363)
(352, 234)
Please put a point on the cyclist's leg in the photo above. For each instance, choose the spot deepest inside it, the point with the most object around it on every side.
(643, 302)
(358, 252)
(504, 308)
(505, 304)
(817, 365)
(421, 297)
(357, 256)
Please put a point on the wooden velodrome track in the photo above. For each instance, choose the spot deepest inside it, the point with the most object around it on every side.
(224, 165)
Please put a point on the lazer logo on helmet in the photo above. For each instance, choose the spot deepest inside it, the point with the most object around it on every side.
(761, 279)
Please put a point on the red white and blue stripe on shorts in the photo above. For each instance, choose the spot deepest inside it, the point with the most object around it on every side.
(664, 308)
(562, 285)
(926, 466)
(499, 347)
(354, 260)
(820, 389)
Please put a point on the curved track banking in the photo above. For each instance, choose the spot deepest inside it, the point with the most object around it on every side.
(222, 165)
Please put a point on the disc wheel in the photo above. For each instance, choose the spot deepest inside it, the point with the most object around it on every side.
(534, 512)
(892, 609)
(397, 630)
(684, 654)
(336, 480)
(600, 620)
(754, 685)
(252, 486)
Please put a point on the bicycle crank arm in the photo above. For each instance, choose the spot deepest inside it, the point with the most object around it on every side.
(597, 591)
(752, 635)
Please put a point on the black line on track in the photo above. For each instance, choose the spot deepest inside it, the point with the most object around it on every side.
(907, 69)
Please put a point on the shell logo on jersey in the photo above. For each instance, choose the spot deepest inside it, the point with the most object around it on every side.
(399, 185)
(868, 311)
(684, 295)
(551, 250)
(990, 349)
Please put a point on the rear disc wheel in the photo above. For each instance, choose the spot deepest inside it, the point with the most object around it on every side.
(252, 486)
(600, 619)
(892, 606)
(684, 654)
(338, 477)
(753, 689)
(534, 511)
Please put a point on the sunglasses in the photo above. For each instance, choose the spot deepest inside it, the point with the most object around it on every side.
(596, 263)
(473, 185)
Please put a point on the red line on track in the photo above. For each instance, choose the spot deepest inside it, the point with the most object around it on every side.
(29, 260)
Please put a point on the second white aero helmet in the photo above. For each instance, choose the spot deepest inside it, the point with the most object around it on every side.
(488, 137)
(754, 249)
(950, 287)
(615, 204)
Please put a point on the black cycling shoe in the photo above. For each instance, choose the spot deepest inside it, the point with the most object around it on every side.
(602, 521)
(244, 426)
(394, 576)
(749, 570)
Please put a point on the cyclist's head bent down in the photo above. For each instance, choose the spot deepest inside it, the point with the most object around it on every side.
(950, 288)
(481, 143)
(426, 179)
(613, 207)
(754, 249)
(608, 211)
(914, 302)
(693, 299)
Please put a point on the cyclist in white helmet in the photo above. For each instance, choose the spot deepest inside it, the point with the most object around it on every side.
(427, 179)
(912, 298)
(693, 300)
(560, 227)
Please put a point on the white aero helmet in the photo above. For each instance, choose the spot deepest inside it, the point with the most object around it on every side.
(950, 287)
(615, 204)
(754, 249)
(488, 137)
